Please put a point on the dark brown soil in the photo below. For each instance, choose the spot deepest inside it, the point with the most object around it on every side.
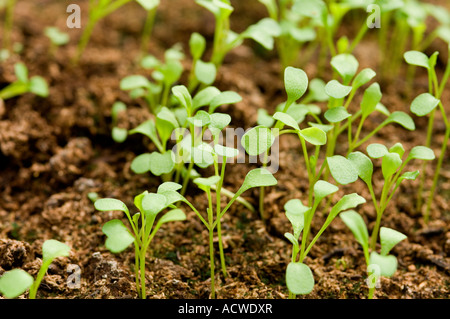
(54, 151)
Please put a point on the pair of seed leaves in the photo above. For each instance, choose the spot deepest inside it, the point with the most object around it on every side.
(168, 123)
(424, 103)
(151, 204)
(385, 264)
(15, 282)
(299, 278)
(36, 84)
(263, 32)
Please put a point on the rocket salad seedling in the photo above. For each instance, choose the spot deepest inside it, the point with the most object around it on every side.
(24, 84)
(427, 104)
(142, 223)
(378, 264)
(15, 282)
(299, 278)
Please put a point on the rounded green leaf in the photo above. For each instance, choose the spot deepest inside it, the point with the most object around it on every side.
(257, 140)
(227, 97)
(401, 118)
(363, 166)
(184, 97)
(257, 177)
(314, 135)
(15, 282)
(317, 90)
(295, 211)
(38, 86)
(342, 169)
(200, 119)
(161, 163)
(322, 189)
(205, 96)
(417, 58)
(205, 72)
(346, 202)
(346, 65)
(207, 182)
(119, 134)
(152, 203)
(264, 119)
(174, 215)
(337, 90)
(295, 83)
(169, 186)
(387, 264)
(358, 227)
(390, 164)
(134, 82)
(363, 77)
(52, 249)
(141, 163)
(421, 152)
(220, 120)
(336, 114)
(389, 238)
(197, 45)
(371, 98)
(299, 278)
(376, 150)
(424, 104)
(119, 238)
(228, 152)
(397, 148)
(286, 119)
(109, 204)
(21, 72)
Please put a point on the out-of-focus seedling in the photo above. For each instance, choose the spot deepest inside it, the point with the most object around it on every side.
(151, 7)
(299, 278)
(142, 224)
(57, 38)
(36, 84)
(378, 264)
(15, 282)
(118, 134)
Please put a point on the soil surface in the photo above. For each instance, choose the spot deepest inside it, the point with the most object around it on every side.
(55, 151)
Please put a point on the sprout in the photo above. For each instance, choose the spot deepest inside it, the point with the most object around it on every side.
(36, 84)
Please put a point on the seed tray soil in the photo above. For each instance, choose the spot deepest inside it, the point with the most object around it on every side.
(54, 151)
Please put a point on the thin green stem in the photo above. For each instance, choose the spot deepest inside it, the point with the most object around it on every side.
(39, 277)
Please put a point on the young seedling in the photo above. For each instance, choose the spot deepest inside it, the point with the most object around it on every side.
(36, 84)
(393, 163)
(255, 178)
(15, 282)
(263, 32)
(151, 7)
(57, 38)
(9, 6)
(98, 9)
(378, 264)
(299, 278)
(427, 104)
(143, 227)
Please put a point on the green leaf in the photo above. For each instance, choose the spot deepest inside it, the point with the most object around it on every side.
(424, 104)
(345, 65)
(220, 120)
(200, 119)
(324, 127)
(264, 119)
(110, 204)
(134, 82)
(119, 134)
(205, 96)
(119, 238)
(184, 97)
(148, 4)
(161, 164)
(205, 72)
(401, 118)
(346, 202)
(371, 98)
(356, 223)
(216, 7)
(207, 182)
(202, 155)
(299, 111)
(387, 264)
(363, 166)
(152, 204)
(174, 215)
(168, 186)
(197, 45)
(227, 97)
(295, 83)
(337, 114)
(407, 175)
(263, 32)
(148, 128)
(390, 164)
(314, 135)
(417, 58)
(141, 163)
(117, 108)
(389, 238)
(363, 77)
(38, 86)
(257, 177)
(397, 148)
(421, 152)
(15, 282)
(257, 140)
(166, 122)
(171, 70)
(376, 150)
(52, 249)
(299, 278)
(21, 72)
(322, 189)
(342, 169)
(295, 213)
(56, 36)
(286, 119)
(292, 239)
(224, 151)
(316, 90)
(337, 90)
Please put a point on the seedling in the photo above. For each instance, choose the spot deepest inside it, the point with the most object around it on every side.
(15, 282)
(347, 170)
(57, 38)
(143, 227)
(36, 84)
(98, 9)
(255, 178)
(378, 264)
(299, 278)
(427, 104)
(151, 7)
(263, 32)
(118, 134)
(9, 6)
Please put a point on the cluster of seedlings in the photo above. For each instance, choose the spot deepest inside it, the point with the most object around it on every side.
(185, 115)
